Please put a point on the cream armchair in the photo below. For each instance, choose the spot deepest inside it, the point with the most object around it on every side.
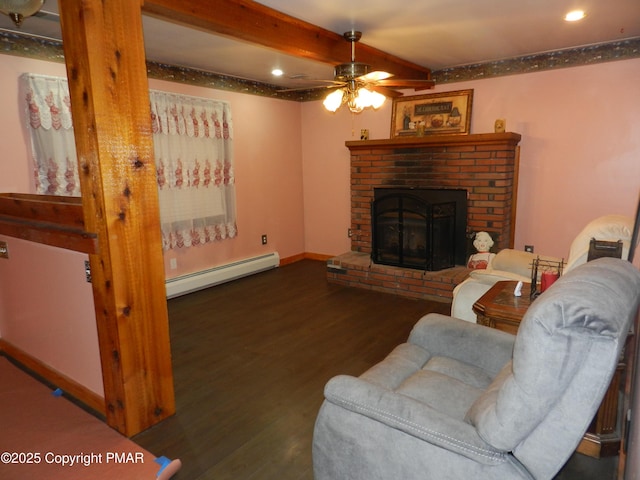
(511, 264)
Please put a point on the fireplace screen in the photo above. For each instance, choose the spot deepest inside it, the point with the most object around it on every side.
(419, 228)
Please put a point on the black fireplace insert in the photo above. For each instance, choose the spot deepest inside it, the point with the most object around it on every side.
(419, 228)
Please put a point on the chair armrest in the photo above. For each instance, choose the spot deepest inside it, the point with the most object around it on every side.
(485, 347)
(518, 262)
(514, 261)
(411, 417)
(492, 276)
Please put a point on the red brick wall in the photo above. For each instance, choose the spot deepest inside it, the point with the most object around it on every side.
(485, 165)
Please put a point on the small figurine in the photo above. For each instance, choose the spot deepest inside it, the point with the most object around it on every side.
(481, 260)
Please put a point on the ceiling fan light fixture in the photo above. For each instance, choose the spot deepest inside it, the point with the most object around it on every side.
(356, 99)
(368, 98)
(333, 101)
(18, 10)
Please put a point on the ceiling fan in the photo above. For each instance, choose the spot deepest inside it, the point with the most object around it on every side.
(18, 10)
(358, 87)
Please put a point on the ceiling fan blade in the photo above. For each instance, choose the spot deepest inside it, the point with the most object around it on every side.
(386, 91)
(374, 76)
(415, 84)
(334, 82)
(319, 87)
(53, 16)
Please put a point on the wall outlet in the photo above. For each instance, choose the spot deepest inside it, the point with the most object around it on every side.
(173, 263)
(528, 248)
(4, 250)
(264, 239)
(349, 233)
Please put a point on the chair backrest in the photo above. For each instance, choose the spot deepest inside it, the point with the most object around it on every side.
(564, 357)
(608, 227)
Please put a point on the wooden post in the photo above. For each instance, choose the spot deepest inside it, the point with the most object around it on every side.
(105, 59)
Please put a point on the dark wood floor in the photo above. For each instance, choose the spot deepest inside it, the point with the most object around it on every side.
(251, 358)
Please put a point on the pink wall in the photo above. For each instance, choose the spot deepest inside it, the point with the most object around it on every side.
(580, 153)
(327, 171)
(47, 309)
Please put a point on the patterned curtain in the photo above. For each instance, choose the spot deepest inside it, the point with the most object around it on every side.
(194, 151)
(53, 146)
(194, 158)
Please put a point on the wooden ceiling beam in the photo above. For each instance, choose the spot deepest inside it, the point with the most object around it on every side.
(252, 22)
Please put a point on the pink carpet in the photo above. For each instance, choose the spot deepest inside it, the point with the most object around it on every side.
(44, 436)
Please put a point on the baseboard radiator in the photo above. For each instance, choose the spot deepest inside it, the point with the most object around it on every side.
(221, 274)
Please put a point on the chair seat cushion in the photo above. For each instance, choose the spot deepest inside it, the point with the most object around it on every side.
(442, 383)
(463, 372)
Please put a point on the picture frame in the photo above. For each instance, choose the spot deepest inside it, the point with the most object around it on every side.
(446, 113)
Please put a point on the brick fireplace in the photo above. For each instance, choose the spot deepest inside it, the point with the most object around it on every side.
(485, 165)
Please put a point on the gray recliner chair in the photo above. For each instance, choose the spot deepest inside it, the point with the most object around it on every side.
(464, 401)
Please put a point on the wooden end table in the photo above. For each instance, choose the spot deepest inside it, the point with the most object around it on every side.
(500, 309)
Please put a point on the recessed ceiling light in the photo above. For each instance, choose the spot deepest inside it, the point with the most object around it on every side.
(575, 15)
(276, 72)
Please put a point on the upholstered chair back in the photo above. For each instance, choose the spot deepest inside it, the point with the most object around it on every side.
(566, 345)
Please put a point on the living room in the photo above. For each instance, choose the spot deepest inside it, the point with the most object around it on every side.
(579, 160)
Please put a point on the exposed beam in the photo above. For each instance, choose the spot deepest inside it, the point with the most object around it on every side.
(252, 22)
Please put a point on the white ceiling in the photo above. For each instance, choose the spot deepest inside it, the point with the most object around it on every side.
(436, 33)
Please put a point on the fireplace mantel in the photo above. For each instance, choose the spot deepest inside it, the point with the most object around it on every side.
(508, 138)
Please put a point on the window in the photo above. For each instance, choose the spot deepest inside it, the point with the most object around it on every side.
(193, 144)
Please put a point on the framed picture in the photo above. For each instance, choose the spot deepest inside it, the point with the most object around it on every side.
(447, 113)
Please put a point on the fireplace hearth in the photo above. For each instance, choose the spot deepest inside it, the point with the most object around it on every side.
(419, 228)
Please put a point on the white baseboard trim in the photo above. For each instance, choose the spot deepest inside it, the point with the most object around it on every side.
(224, 273)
